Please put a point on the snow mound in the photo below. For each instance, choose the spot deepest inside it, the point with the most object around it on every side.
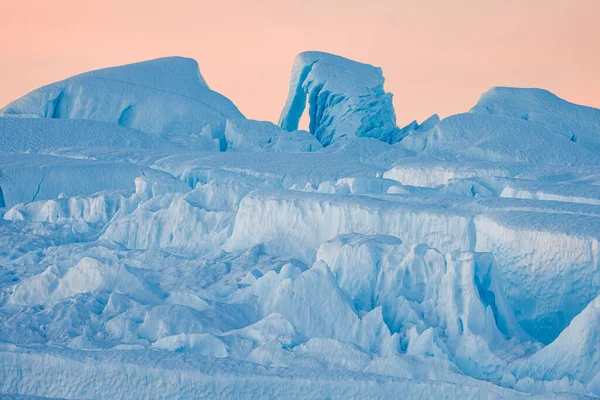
(249, 135)
(87, 276)
(345, 98)
(579, 124)
(273, 328)
(485, 137)
(166, 95)
(202, 343)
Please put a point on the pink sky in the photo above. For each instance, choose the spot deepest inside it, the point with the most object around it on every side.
(438, 56)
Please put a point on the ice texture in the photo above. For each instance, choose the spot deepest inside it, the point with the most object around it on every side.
(579, 124)
(248, 135)
(154, 243)
(161, 96)
(344, 97)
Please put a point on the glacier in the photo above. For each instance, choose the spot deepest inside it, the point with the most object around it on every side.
(156, 243)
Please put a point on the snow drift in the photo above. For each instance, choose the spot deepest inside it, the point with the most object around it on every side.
(166, 95)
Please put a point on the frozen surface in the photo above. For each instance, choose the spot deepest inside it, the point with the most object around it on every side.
(485, 137)
(579, 124)
(248, 135)
(47, 135)
(344, 98)
(166, 96)
(157, 244)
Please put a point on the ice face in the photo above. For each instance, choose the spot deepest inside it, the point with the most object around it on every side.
(345, 98)
(246, 258)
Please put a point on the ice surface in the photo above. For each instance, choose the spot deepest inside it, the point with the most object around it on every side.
(249, 135)
(575, 354)
(344, 98)
(166, 95)
(579, 124)
(513, 125)
(155, 243)
(484, 137)
(47, 135)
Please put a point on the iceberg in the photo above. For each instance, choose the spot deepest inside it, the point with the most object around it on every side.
(154, 243)
(345, 98)
(161, 96)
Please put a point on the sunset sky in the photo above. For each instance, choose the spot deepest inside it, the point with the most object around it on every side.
(438, 56)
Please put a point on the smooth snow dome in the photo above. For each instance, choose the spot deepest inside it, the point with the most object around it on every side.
(514, 125)
(166, 95)
(155, 243)
(344, 98)
(577, 123)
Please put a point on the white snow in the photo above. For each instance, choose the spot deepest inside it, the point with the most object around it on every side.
(166, 95)
(154, 243)
(577, 123)
(48, 135)
(490, 137)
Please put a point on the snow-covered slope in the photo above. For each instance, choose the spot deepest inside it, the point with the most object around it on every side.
(344, 98)
(579, 124)
(155, 243)
(166, 95)
(47, 135)
(514, 125)
(575, 354)
(248, 135)
(483, 137)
